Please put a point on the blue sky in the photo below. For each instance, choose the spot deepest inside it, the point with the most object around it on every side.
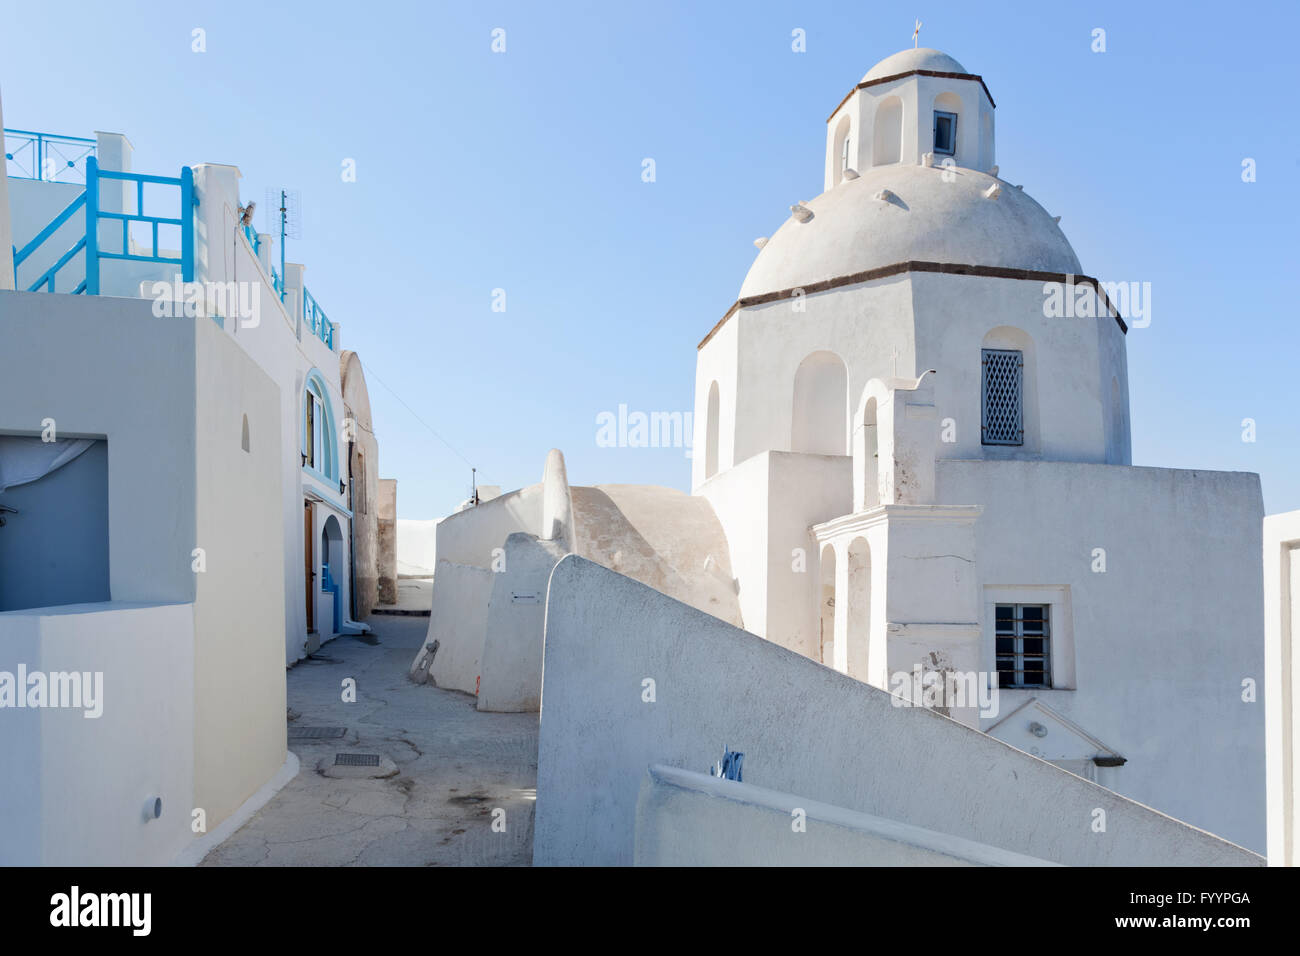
(522, 171)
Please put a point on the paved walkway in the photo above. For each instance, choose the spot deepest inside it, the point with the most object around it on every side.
(414, 596)
(456, 766)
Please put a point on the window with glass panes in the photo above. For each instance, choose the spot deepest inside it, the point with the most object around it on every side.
(1023, 645)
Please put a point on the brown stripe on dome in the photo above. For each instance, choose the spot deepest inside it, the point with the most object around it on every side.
(898, 76)
(916, 265)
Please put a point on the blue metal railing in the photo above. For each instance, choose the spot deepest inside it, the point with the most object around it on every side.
(254, 240)
(316, 320)
(47, 277)
(46, 157)
(94, 214)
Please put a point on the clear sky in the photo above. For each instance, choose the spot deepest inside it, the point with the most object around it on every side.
(522, 171)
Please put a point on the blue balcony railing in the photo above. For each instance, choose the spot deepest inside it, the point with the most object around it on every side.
(253, 240)
(45, 157)
(314, 316)
(184, 222)
(88, 239)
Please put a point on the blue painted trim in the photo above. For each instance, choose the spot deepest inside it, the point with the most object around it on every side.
(42, 143)
(329, 585)
(188, 201)
(50, 136)
(90, 199)
(92, 226)
(329, 433)
(47, 277)
(316, 319)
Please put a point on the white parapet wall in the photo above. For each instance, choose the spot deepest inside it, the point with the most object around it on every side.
(632, 678)
(417, 547)
(79, 790)
(685, 818)
(511, 665)
(458, 625)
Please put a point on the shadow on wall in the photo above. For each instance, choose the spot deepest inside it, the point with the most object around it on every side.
(634, 679)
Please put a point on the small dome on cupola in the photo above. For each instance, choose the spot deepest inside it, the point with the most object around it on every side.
(908, 60)
(910, 177)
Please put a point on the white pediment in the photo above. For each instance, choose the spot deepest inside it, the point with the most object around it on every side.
(1037, 729)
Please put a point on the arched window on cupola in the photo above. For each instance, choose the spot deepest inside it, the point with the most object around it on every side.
(887, 132)
(947, 111)
(820, 414)
(842, 147)
(711, 439)
(319, 445)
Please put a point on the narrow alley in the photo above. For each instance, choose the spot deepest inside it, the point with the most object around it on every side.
(454, 768)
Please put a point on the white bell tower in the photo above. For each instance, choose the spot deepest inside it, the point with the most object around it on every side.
(910, 105)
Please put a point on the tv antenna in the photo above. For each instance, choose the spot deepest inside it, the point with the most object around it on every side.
(286, 206)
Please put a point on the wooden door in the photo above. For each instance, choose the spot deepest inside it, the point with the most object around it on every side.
(309, 565)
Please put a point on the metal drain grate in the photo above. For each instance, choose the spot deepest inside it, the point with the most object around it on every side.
(316, 733)
(356, 760)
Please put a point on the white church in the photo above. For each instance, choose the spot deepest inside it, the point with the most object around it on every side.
(912, 471)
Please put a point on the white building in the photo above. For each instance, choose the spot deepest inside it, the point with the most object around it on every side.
(911, 453)
(1281, 630)
(187, 469)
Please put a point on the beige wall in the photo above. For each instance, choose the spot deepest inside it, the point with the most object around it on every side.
(363, 448)
(387, 544)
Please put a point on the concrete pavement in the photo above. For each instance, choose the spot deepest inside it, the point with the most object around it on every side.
(458, 770)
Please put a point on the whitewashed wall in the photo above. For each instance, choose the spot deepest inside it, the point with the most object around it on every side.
(511, 664)
(1282, 630)
(684, 818)
(239, 679)
(417, 546)
(803, 729)
(74, 790)
(1162, 640)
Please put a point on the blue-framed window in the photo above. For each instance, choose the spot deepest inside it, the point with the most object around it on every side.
(319, 445)
(945, 133)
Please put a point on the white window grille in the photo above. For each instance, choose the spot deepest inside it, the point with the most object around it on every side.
(1002, 418)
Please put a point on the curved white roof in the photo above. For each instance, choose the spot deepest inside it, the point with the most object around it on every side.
(928, 219)
(908, 60)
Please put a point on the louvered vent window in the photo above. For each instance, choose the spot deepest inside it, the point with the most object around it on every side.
(1003, 417)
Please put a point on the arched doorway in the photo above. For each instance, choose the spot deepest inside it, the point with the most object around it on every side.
(333, 567)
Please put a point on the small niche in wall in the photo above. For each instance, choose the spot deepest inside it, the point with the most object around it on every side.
(243, 437)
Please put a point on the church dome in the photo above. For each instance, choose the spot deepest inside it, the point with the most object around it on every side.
(908, 60)
(925, 219)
